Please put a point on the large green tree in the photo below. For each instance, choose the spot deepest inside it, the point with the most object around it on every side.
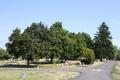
(32, 44)
(13, 46)
(26, 48)
(69, 46)
(35, 42)
(103, 43)
(56, 34)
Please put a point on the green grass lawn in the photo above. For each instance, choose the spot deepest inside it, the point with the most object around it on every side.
(116, 71)
(7, 74)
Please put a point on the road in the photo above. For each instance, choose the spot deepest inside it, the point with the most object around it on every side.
(101, 72)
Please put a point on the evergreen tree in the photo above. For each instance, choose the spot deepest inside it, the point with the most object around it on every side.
(103, 43)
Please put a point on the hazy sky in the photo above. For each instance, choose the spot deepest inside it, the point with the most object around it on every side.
(75, 15)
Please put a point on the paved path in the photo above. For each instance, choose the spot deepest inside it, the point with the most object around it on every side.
(102, 72)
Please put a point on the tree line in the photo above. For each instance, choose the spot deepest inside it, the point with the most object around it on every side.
(38, 41)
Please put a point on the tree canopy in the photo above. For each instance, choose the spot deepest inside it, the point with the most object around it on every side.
(38, 41)
(103, 46)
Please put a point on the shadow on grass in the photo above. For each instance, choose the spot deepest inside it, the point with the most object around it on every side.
(16, 66)
(46, 62)
(41, 63)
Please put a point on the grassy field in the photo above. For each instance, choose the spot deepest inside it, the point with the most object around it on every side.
(7, 74)
(58, 66)
(39, 74)
(116, 71)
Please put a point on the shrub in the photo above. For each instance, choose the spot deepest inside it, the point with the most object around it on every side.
(4, 54)
(88, 55)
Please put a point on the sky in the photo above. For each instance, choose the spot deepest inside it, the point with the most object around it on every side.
(75, 15)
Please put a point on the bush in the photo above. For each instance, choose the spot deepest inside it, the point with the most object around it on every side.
(4, 54)
(87, 55)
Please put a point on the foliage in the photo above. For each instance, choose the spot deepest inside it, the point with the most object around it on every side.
(38, 41)
(88, 40)
(30, 44)
(117, 53)
(55, 40)
(103, 46)
(13, 46)
(88, 55)
(4, 54)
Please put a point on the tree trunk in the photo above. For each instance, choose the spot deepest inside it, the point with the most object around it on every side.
(101, 58)
(28, 62)
(51, 60)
